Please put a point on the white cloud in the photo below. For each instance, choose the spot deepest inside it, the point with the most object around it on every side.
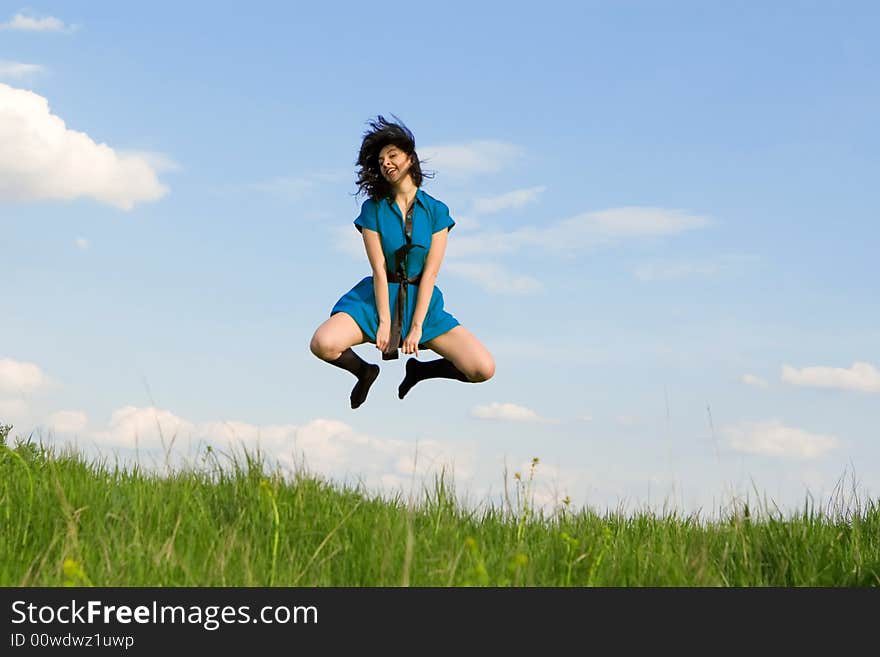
(772, 438)
(27, 23)
(506, 411)
(81, 243)
(144, 428)
(325, 447)
(581, 232)
(12, 411)
(860, 376)
(10, 69)
(41, 159)
(68, 421)
(752, 380)
(494, 278)
(514, 199)
(333, 448)
(483, 156)
(158, 161)
(18, 377)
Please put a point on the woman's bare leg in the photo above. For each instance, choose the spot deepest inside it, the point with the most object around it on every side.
(333, 342)
(335, 336)
(464, 358)
(466, 352)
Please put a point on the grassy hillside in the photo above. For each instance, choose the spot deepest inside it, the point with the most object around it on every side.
(66, 520)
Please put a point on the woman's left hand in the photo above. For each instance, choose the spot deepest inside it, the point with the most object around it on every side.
(411, 343)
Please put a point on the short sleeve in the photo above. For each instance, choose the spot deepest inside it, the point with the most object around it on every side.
(441, 217)
(368, 216)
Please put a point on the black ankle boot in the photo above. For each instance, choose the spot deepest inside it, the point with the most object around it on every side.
(417, 370)
(364, 372)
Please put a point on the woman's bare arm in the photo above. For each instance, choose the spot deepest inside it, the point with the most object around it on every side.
(373, 245)
(429, 275)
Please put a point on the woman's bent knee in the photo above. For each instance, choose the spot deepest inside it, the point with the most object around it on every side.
(484, 371)
(315, 345)
(322, 347)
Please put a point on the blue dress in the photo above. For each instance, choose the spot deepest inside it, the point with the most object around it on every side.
(429, 216)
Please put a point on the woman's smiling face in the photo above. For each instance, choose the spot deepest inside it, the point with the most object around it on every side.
(394, 163)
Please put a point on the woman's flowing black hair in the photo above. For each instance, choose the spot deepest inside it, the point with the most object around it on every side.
(370, 180)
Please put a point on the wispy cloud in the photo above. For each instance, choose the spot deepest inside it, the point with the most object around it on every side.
(510, 200)
(289, 186)
(41, 159)
(860, 376)
(465, 222)
(15, 70)
(81, 243)
(633, 221)
(298, 187)
(581, 232)
(30, 23)
(566, 237)
(20, 377)
(494, 278)
(655, 271)
(668, 270)
(507, 411)
(476, 157)
(752, 380)
(773, 438)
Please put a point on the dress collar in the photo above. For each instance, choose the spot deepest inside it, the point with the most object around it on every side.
(420, 198)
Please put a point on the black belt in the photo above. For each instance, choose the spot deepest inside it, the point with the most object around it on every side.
(396, 339)
(399, 276)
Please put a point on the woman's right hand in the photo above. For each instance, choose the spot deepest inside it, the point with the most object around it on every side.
(383, 336)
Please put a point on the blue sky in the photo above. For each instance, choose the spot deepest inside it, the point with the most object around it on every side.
(665, 229)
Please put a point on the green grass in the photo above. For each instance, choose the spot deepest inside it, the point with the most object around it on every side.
(68, 521)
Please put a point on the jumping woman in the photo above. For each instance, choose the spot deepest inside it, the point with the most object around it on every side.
(404, 232)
